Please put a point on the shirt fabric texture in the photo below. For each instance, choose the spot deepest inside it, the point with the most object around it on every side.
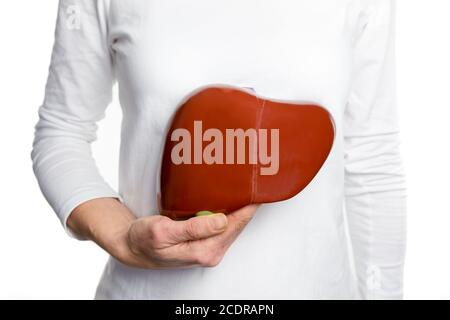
(337, 53)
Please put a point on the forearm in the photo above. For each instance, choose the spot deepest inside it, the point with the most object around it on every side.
(377, 224)
(376, 209)
(105, 221)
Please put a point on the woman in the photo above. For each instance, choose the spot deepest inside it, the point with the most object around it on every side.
(339, 54)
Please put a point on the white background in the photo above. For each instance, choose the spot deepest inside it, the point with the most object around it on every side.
(37, 258)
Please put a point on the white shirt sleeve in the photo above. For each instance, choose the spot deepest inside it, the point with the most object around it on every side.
(79, 88)
(374, 178)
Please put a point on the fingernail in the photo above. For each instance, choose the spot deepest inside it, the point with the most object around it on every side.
(219, 221)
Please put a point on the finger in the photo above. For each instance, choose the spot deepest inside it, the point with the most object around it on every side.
(246, 212)
(197, 228)
(238, 219)
(184, 253)
(197, 253)
(208, 250)
(164, 260)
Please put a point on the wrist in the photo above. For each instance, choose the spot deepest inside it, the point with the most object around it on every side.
(112, 237)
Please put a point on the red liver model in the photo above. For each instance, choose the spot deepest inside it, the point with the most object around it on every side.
(206, 165)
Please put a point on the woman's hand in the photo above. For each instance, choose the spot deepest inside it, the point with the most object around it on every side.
(157, 242)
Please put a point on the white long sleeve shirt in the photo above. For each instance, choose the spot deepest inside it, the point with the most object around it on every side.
(338, 53)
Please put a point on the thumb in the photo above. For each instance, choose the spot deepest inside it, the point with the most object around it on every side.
(198, 228)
